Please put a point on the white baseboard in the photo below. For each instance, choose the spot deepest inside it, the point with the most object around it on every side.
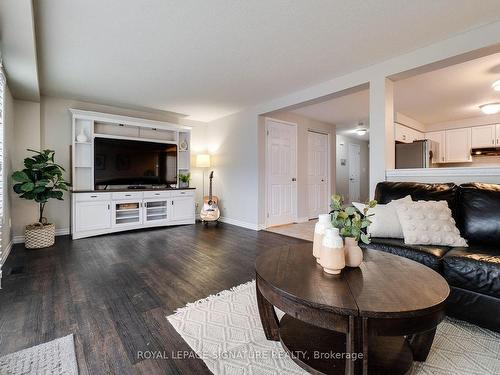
(59, 232)
(240, 223)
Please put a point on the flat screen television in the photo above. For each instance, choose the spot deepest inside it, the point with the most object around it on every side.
(125, 162)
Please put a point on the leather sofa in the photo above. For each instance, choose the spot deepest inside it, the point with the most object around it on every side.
(473, 272)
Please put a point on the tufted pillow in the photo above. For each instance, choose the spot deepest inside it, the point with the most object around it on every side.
(385, 221)
(428, 223)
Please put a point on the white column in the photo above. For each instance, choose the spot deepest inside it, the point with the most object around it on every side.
(382, 151)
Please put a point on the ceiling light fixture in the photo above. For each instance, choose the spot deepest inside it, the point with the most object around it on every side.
(496, 85)
(490, 108)
(360, 131)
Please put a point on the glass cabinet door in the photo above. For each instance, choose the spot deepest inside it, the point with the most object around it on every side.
(155, 211)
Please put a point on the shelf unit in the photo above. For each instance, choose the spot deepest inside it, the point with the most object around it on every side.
(102, 125)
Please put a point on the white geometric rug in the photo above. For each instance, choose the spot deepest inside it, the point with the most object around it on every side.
(225, 331)
(56, 357)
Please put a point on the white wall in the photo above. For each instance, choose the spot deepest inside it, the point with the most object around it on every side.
(303, 125)
(26, 135)
(342, 177)
(48, 125)
(7, 150)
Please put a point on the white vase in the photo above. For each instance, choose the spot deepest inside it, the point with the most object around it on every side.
(81, 137)
(332, 252)
(319, 231)
(353, 253)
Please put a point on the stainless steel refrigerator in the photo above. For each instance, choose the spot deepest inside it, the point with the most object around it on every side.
(418, 154)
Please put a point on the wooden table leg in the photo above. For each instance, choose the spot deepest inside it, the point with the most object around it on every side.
(268, 317)
(421, 343)
(356, 343)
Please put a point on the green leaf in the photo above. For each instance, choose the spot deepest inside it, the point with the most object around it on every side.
(350, 210)
(20, 176)
(365, 238)
(27, 186)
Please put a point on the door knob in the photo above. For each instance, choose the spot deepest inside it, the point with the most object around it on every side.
(294, 179)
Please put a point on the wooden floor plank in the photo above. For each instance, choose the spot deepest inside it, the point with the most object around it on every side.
(114, 292)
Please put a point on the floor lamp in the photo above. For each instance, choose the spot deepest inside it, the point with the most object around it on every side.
(203, 161)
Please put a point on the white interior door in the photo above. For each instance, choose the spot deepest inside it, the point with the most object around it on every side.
(281, 169)
(354, 167)
(317, 176)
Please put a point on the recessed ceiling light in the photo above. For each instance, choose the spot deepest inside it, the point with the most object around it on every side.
(496, 85)
(490, 108)
(360, 131)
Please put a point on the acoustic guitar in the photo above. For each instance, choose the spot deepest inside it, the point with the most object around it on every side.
(210, 210)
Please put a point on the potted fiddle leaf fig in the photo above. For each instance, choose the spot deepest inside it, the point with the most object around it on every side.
(39, 181)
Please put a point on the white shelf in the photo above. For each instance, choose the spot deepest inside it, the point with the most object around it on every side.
(83, 166)
(112, 136)
(83, 143)
(127, 209)
(156, 215)
(130, 216)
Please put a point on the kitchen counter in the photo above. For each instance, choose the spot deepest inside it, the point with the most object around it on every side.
(457, 175)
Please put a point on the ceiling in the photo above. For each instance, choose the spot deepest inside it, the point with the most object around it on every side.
(452, 93)
(447, 94)
(207, 59)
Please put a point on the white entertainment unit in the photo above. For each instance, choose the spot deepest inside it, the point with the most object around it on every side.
(96, 212)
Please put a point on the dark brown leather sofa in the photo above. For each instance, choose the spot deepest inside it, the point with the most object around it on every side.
(473, 272)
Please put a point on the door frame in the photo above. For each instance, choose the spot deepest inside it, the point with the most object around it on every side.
(359, 169)
(328, 162)
(267, 169)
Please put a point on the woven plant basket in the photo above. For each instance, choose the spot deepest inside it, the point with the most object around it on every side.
(38, 235)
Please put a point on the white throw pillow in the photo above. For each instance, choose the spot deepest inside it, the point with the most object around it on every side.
(385, 220)
(429, 223)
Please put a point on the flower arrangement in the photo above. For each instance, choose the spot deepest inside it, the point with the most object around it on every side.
(349, 221)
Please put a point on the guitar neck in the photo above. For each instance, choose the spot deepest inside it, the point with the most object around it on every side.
(210, 190)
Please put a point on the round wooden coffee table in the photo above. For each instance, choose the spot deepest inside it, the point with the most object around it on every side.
(375, 319)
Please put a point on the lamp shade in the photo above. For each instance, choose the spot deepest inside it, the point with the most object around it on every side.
(203, 161)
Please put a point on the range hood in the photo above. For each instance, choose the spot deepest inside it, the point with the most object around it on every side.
(489, 151)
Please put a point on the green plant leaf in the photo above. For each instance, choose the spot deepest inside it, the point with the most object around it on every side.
(20, 176)
(350, 210)
(27, 186)
(364, 237)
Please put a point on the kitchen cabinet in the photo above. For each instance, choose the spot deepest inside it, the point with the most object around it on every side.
(484, 136)
(405, 134)
(497, 136)
(440, 139)
(458, 145)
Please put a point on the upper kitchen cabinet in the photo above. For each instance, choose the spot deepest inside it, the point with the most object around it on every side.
(458, 145)
(440, 139)
(405, 134)
(484, 136)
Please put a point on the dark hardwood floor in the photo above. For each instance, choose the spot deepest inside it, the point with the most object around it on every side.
(114, 292)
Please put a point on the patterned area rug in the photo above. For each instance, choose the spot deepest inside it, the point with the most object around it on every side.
(225, 331)
(56, 357)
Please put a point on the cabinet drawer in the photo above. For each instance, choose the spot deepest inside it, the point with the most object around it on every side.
(127, 195)
(157, 194)
(183, 193)
(89, 197)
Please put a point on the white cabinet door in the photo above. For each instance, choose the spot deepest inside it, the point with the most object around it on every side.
(94, 215)
(497, 135)
(405, 134)
(401, 133)
(439, 138)
(127, 213)
(458, 145)
(155, 211)
(483, 136)
(182, 208)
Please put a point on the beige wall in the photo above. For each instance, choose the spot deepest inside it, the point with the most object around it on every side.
(26, 135)
(342, 173)
(303, 125)
(7, 150)
(48, 125)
